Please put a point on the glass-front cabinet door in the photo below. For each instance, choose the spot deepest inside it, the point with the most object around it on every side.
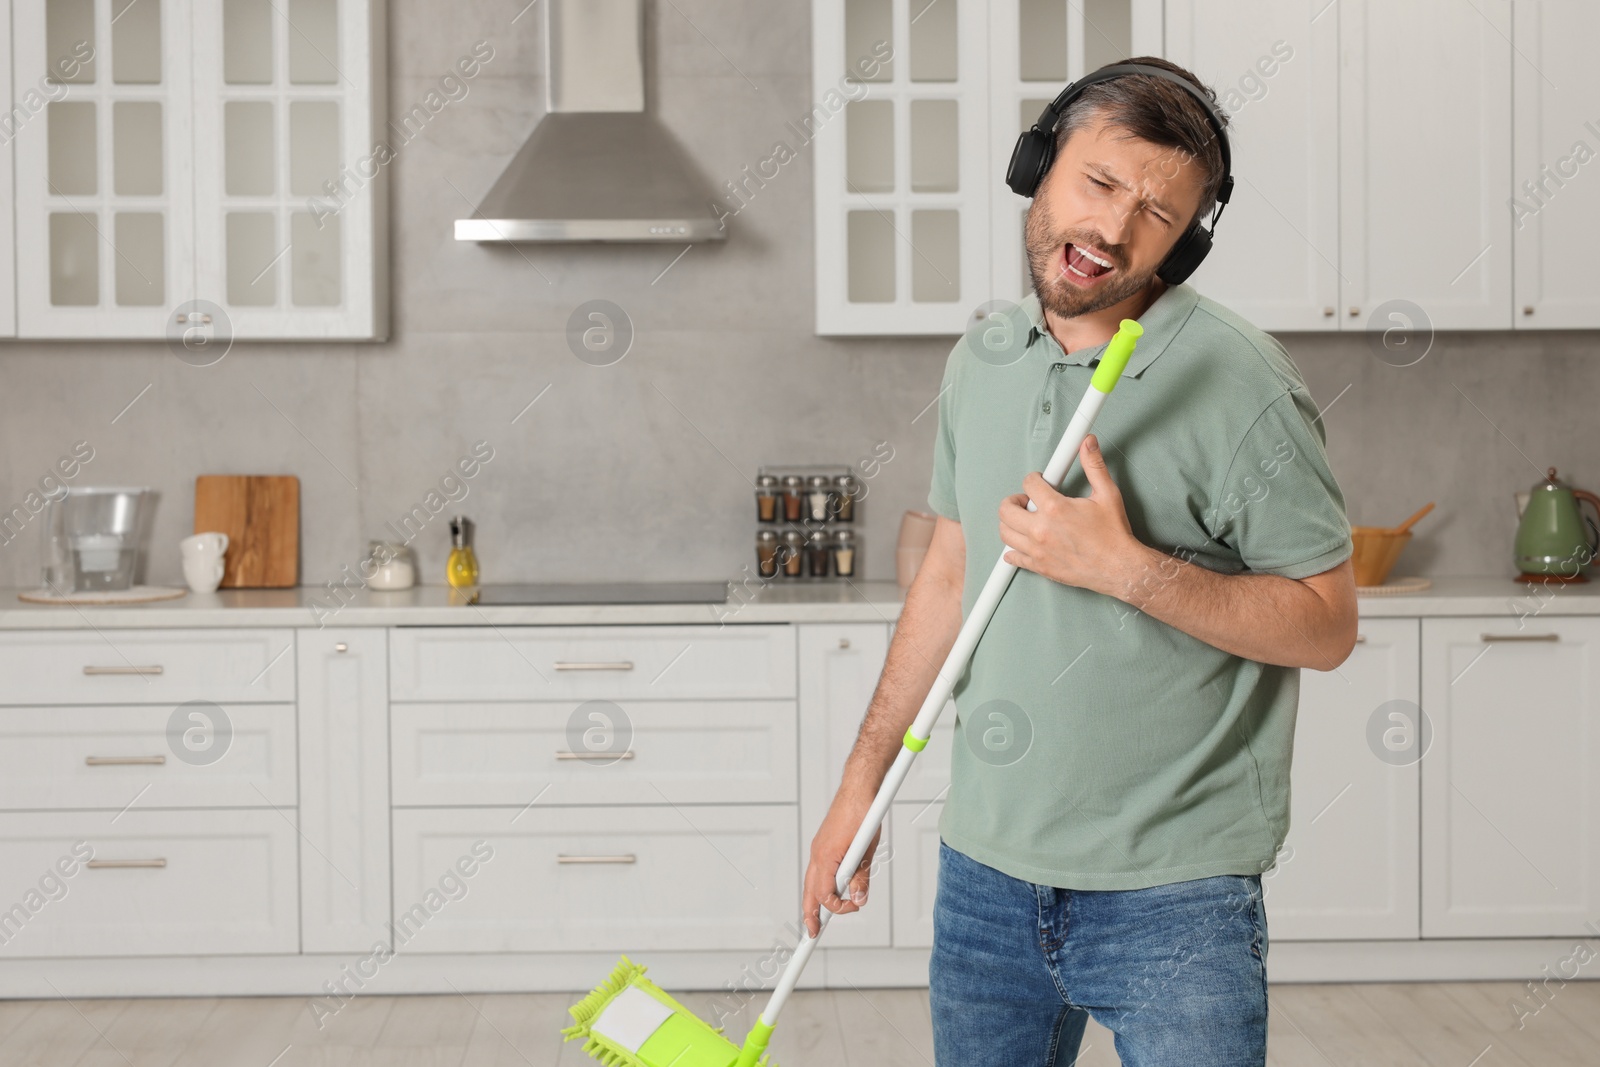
(288, 169)
(104, 220)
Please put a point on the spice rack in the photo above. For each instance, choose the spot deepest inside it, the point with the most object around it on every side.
(806, 523)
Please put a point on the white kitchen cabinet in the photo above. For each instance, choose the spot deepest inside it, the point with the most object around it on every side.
(344, 789)
(915, 227)
(914, 838)
(839, 666)
(1511, 823)
(1276, 74)
(1425, 117)
(1556, 195)
(1349, 867)
(174, 183)
(29, 107)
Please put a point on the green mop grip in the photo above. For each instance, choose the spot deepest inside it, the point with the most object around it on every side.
(755, 1044)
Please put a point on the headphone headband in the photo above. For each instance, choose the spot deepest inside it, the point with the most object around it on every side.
(1035, 150)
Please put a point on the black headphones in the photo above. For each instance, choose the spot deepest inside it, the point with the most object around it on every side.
(1036, 149)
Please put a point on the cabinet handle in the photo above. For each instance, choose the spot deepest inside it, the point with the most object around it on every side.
(1361, 639)
(199, 316)
(1327, 312)
(844, 642)
(123, 670)
(626, 857)
(595, 755)
(1354, 311)
(618, 665)
(97, 865)
(1521, 637)
(119, 761)
(1528, 310)
(341, 647)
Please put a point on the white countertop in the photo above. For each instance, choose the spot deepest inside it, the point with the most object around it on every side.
(437, 605)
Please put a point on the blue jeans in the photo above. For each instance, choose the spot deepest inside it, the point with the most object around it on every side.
(1176, 972)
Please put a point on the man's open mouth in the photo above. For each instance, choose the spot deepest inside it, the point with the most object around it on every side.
(1084, 265)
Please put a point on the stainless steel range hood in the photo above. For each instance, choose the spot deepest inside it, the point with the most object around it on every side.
(598, 167)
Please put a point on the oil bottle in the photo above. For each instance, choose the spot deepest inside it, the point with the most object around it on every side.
(462, 569)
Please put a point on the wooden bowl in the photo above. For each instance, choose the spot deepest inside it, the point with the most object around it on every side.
(1376, 549)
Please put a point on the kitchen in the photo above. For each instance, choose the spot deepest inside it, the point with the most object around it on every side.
(1411, 222)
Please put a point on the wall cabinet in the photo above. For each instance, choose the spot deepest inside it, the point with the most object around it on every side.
(1511, 820)
(198, 170)
(1348, 869)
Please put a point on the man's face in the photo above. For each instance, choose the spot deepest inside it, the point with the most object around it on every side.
(1107, 213)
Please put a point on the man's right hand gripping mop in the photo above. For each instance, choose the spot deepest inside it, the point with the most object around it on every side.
(629, 1021)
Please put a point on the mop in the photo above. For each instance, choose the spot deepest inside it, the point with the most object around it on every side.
(629, 1021)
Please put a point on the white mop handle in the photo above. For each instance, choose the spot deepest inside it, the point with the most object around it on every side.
(955, 665)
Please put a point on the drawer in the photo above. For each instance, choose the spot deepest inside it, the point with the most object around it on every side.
(241, 755)
(616, 879)
(637, 752)
(147, 666)
(592, 662)
(166, 883)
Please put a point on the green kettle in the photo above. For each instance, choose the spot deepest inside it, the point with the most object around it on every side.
(1552, 539)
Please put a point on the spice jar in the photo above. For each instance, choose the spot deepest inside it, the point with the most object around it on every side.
(845, 491)
(817, 497)
(766, 498)
(392, 566)
(817, 553)
(767, 553)
(793, 497)
(844, 553)
(793, 554)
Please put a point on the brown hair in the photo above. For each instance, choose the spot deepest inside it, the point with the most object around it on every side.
(1153, 109)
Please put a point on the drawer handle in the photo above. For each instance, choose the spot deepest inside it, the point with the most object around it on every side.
(626, 857)
(160, 861)
(596, 755)
(122, 761)
(1521, 637)
(1361, 639)
(123, 670)
(618, 665)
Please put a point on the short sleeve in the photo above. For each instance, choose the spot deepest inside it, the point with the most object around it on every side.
(1279, 506)
(942, 490)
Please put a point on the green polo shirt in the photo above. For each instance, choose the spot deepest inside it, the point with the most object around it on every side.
(1097, 747)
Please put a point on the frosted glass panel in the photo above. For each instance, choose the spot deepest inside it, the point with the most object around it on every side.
(314, 260)
(866, 22)
(73, 155)
(136, 42)
(74, 260)
(313, 146)
(1042, 40)
(1030, 110)
(247, 42)
(1107, 32)
(933, 40)
(869, 146)
(69, 35)
(141, 259)
(252, 259)
(313, 42)
(935, 256)
(871, 254)
(136, 148)
(934, 146)
(249, 162)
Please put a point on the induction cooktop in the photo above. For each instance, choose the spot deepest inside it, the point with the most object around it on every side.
(605, 593)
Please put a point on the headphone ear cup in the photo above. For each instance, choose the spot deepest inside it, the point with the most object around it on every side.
(1030, 159)
(1186, 256)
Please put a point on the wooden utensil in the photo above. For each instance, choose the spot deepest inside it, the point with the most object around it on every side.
(1404, 526)
(261, 516)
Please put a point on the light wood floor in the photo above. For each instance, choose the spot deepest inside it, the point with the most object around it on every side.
(1457, 1025)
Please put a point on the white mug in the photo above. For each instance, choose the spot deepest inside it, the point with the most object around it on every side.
(203, 561)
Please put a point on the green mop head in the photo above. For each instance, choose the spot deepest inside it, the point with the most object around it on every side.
(629, 1021)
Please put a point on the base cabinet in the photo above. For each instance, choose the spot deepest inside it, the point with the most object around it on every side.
(1510, 812)
(1348, 869)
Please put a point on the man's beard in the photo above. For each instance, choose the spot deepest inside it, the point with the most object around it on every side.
(1056, 294)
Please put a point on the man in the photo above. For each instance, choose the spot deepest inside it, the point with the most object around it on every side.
(1120, 777)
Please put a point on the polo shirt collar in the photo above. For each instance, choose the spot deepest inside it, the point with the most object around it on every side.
(1161, 321)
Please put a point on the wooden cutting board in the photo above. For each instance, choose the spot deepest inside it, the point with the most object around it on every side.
(261, 516)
